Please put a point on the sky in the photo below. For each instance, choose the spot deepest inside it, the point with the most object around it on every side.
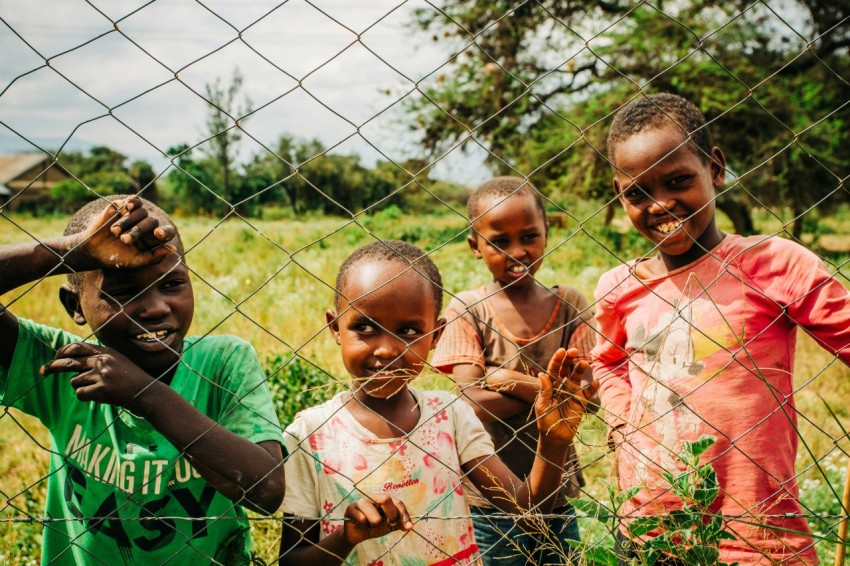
(129, 74)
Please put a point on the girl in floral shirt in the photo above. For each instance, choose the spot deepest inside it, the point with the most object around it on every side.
(375, 475)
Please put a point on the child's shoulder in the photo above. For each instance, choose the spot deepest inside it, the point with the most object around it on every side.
(569, 293)
(444, 404)
(312, 417)
(220, 346)
(469, 298)
(34, 336)
(767, 253)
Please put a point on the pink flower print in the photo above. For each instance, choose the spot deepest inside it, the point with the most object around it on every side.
(442, 416)
(328, 506)
(325, 449)
(321, 440)
(427, 460)
(399, 446)
(376, 563)
(360, 463)
(458, 486)
(445, 442)
(330, 466)
(440, 484)
(434, 402)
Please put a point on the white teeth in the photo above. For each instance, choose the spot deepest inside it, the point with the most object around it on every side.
(517, 269)
(668, 227)
(152, 336)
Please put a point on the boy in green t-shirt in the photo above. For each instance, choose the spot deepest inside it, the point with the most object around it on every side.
(157, 440)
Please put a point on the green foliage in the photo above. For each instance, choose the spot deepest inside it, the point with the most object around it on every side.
(691, 534)
(297, 384)
(541, 99)
(100, 173)
(820, 496)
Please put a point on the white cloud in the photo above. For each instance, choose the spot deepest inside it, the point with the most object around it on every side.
(307, 69)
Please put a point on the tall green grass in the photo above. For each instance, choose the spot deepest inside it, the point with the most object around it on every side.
(271, 281)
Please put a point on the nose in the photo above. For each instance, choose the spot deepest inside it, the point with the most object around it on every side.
(151, 305)
(516, 250)
(662, 203)
(389, 346)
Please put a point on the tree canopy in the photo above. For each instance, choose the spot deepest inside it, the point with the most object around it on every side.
(536, 83)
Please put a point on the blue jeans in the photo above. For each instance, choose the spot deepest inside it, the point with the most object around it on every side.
(503, 543)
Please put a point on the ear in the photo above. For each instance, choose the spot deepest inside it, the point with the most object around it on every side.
(333, 324)
(718, 167)
(438, 331)
(472, 240)
(617, 192)
(70, 299)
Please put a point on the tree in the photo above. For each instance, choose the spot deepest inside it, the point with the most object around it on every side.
(224, 135)
(302, 174)
(537, 83)
(100, 173)
(189, 181)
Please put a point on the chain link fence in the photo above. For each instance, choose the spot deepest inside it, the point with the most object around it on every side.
(283, 135)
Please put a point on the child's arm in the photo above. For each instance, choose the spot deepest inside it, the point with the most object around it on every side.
(610, 361)
(365, 519)
(559, 408)
(247, 473)
(489, 405)
(122, 235)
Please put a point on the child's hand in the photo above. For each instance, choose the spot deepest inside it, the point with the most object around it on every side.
(374, 517)
(562, 400)
(103, 374)
(123, 235)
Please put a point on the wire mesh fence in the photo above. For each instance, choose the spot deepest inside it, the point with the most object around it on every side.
(282, 136)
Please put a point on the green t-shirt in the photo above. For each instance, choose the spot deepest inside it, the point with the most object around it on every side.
(118, 491)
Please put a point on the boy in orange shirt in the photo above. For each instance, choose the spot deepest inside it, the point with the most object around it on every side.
(498, 338)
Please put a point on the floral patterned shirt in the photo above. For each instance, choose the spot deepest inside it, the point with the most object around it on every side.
(333, 461)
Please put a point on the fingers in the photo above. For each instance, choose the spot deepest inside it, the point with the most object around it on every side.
(71, 358)
(135, 225)
(395, 512)
(378, 515)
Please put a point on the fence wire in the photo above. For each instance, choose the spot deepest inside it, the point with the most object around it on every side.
(283, 135)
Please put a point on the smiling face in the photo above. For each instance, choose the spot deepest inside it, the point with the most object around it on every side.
(142, 313)
(510, 237)
(668, 193)
(389, 327)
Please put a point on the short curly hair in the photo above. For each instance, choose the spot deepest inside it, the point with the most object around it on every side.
(391, 251)
(655, 111)
(503, 187)
(82, 218)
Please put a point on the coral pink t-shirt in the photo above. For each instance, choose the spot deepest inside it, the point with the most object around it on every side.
(709, 349)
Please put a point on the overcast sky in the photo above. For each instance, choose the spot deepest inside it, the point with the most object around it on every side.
(64, 67)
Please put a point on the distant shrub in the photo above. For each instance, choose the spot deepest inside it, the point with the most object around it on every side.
(297, 384)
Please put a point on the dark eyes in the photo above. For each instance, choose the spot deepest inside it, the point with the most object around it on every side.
(173, 284)
(124, 295)
(369, 328)
(120, 295)
(502, 243)
(634, 194)
(365, 328)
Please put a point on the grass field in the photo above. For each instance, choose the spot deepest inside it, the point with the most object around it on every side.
(270, 282)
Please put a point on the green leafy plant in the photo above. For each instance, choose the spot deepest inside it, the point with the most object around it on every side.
(297, 384)
(692, 534)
